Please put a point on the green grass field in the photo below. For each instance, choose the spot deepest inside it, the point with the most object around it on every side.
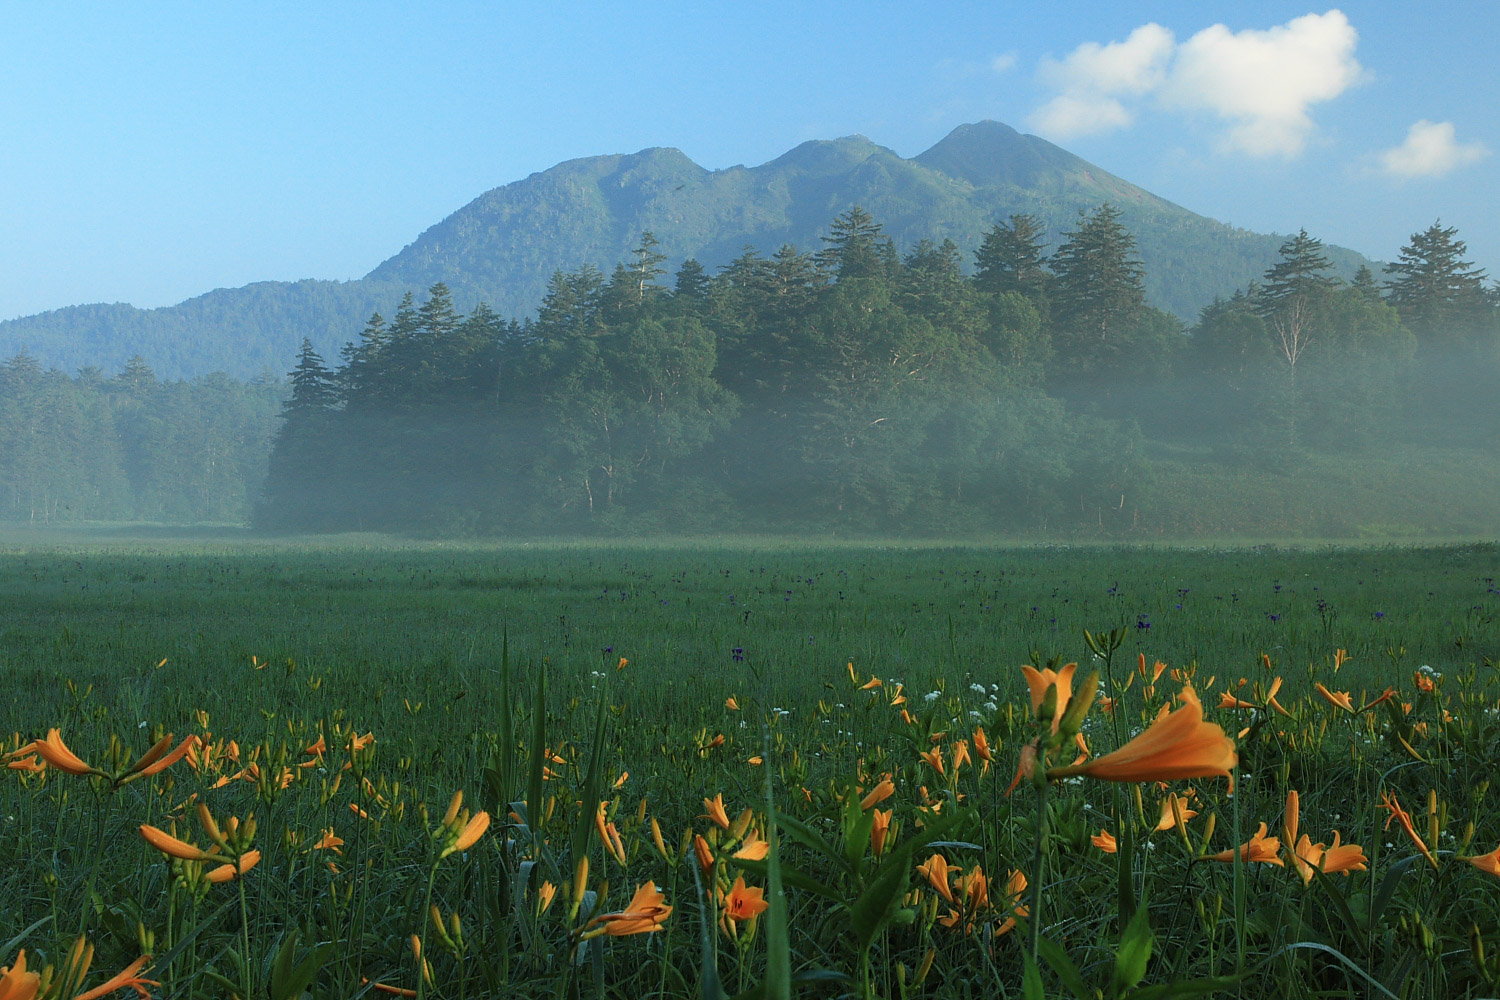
(273, 645)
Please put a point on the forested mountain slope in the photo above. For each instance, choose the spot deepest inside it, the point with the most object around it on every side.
(504, 246)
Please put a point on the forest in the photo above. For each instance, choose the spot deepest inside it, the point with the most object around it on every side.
(852, 388)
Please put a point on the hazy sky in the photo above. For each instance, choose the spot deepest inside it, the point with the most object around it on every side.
(151, 152)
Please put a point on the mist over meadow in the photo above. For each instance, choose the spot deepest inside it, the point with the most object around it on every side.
(1027, 389)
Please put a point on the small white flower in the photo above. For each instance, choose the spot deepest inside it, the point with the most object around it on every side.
(932, 695)
(977, 688)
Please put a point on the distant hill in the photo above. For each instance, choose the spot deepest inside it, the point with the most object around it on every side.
(502, 247)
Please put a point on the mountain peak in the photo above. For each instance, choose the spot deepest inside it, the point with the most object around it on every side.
(990, 153)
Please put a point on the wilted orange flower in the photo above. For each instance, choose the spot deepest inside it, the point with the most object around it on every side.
(76, 967)
(1015, 886)
(1177, 745)
(936, 869)
(1388, 802)
(1338, 699)
(882, 791)
(743, 902)
(1266, 850)
(31, 764)
(1040, 680)
(1106, 842)
(644, 914)
(395, 991)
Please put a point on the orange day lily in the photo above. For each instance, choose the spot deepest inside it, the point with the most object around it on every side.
(1106, 842)
(1338, 699)
(1309, 857)
(16, 983)
(1040, 680)
(716, 813)
(1487, 862)
(882, 791)
(880, 825)
(225, 873)
(1177, 745)
(643, 915)
(54, 751)
(1259, 847)
(744, 902)
(936, 869)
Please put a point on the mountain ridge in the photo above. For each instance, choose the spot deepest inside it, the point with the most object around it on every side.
(504, 245)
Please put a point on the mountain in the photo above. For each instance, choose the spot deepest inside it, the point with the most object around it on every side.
(502, 247)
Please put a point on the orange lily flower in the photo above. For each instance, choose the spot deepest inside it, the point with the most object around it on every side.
(881, 824)
(982, 749)
(715, 807)
(702, 853)
(1177, 745)
(1106, 842)
(1169, 815)
(224, 873)
(329, 842)
(884, 790)
(1040, 680)
(1309, 857)
(1338, 699)
(643, 915)
(934, 757)
(16, 983)
(1487, 862)
(754, 848)
(936, 869)
(1258, 848)
(470, 834)
(54, 751)
(731, 704)
(743, 902)
(171, 846)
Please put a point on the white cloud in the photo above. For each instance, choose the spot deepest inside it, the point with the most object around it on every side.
(1003, 63)
(1262, 83)
(1133, 66)
(1430, 150)
(1093, 77)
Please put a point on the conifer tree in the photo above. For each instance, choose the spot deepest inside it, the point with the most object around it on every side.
(1010, 257)
(1437, 292)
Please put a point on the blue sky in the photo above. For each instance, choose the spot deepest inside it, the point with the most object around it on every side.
(151, 152)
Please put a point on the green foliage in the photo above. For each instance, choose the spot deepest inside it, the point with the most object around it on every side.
(505, 245)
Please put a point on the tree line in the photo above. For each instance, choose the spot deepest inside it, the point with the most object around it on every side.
(854, 387)
(131, 447)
